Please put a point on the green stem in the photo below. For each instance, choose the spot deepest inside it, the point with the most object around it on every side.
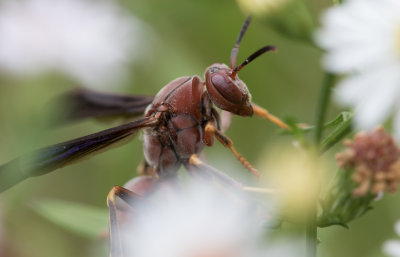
(311, 236)
(323, 105)
(311, 226)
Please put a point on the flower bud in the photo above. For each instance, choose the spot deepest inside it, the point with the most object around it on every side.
(369, 166)
(374, 160)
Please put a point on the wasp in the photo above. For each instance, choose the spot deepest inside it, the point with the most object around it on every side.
(178, 122)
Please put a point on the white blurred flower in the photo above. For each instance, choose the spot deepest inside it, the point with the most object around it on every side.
(91, 41)
(392, 247)
(362, 39)
(196, 221)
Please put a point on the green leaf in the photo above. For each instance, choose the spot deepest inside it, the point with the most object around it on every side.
(341, 118)
(85, 220)
(338, 133)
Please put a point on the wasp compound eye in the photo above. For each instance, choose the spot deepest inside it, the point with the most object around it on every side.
(228, 94)
(225, 86)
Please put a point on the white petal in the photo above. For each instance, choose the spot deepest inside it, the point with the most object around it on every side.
(396, 130)
(355, 57)
(392, 248)
(397, 228)
(360, 35)
(373, 95)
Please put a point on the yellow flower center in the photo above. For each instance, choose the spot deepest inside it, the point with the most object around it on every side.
(259, 7)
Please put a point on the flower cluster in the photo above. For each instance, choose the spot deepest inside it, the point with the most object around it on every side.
(374, 157)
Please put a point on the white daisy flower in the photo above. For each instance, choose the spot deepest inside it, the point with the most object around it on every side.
(392, 247)
(90, 41)
(197, 221)
(362, 39)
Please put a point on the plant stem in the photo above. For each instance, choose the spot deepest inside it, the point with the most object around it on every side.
(311, 226)
(322, 106)
(311, 236)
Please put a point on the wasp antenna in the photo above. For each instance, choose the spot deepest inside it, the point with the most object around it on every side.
(235, 50)
(252, 57)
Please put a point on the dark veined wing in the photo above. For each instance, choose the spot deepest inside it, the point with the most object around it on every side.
(53, 157)
(84, 103)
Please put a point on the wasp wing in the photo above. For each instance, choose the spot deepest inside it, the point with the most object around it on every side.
(53, 157)
(84, 103)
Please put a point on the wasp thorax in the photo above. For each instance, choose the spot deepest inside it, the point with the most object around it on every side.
(229, 94)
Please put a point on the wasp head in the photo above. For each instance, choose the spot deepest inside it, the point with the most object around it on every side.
(227, 91)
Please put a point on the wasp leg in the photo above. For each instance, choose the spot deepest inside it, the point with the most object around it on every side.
(115, 237)
(210, 130)
(260, 190)
(263, 113)
(195, 164)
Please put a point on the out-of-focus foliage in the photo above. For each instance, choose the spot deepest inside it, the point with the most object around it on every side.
(84, 220)
(186, 37)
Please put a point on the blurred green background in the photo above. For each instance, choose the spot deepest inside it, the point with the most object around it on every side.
(186, 37)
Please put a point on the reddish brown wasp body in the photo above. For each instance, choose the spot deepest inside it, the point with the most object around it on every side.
(185, 109)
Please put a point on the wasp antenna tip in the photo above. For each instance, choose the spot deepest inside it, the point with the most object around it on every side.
(273, 48)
